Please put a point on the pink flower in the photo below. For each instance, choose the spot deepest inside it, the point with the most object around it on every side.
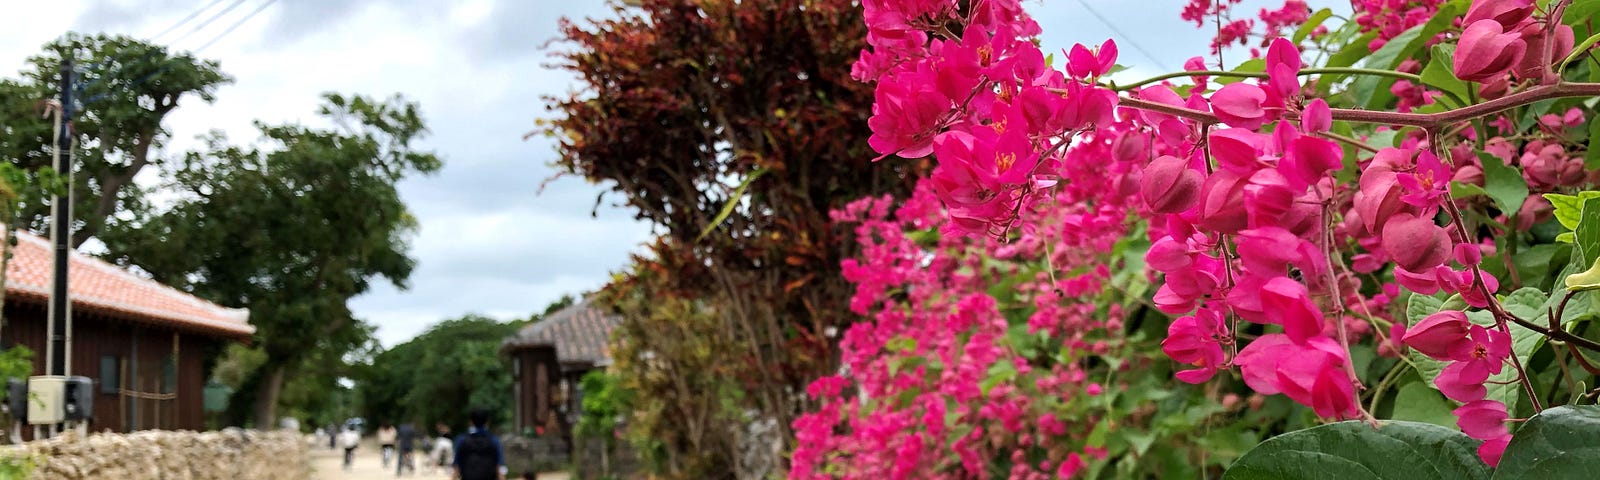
(1240, 105)
(1268, 197)
(1317, 117)
(1486, 51)
(1311, 373)
(1286, 302)
(1081, 63)
(1222, 202)
(1475, 361)
(1425, 187)
(1439, 335)
(1308, 159)
(1196, 340)
(1482, 419)
(1169, 185)
(905, 115)
(1485, 420)
(1237, 149)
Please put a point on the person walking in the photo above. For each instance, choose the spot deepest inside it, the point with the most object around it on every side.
(443, 449)
(386, 434)
(478, 452)
(349, 438)
(406, 439)
(333, 436)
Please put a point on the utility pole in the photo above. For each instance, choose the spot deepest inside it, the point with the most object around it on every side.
(61, 233)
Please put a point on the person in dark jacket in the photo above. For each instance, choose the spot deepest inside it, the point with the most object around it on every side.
(479, 455)
(406, 438)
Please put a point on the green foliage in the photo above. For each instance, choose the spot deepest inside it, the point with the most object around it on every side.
(1398, 450)
(1557, 444)
(440, 376)
(16, 362)
(605, 402)
(291, 230)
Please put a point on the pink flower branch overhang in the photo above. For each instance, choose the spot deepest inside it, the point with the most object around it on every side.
(1430, 121)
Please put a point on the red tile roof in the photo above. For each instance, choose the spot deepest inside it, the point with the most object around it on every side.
(580, 333)
(102, 288)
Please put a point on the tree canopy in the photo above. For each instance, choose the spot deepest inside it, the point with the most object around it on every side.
(291, 230)
(126, 88)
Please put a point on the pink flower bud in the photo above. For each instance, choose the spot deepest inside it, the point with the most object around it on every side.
(1495, 88)
(1533, 64)
(1378, 199)
(1416, 244)
(1508, 13)
(1439, 334)
(1169, 185)
(1317, 117)
(1130, 147)
(1487, 51)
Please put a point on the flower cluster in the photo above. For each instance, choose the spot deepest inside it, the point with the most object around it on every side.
(1474, 353)
(1503, 36)
(1275, 239)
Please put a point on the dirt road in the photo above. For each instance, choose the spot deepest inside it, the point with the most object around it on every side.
(368, 465)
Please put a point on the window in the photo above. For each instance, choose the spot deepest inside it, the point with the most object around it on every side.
(110, 374)
(169, 376)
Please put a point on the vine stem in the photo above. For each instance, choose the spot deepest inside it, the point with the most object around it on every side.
(1303, 72)
(1421, 120)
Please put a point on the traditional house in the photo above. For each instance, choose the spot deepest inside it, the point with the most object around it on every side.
(142, 342)
(548, 361)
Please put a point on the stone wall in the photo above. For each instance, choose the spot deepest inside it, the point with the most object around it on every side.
(231, 454)
(598, 459)
(541, 454)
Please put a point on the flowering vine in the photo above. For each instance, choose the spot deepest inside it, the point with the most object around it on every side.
(1281, 229)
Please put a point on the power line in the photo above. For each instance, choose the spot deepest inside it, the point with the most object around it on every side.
(208, 21)
(241, 21)
(1118, 32)
(187, 19)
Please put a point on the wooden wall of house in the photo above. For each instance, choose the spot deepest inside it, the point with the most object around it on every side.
(536, 373)
(137, 355)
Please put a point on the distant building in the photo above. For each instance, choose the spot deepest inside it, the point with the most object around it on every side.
(142, 342)
(548, 360)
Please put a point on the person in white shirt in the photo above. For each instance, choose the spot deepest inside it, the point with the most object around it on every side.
(349, 439)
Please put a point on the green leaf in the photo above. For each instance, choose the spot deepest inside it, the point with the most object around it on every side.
(1584, 281)
(1464, 190)
(1581, 11)
(1588, 231)
(1399, 450)
(1419, 402)
(733, 201)
(1568, 207)
(1504, 184)
(1440, 75)
(1351, 53)
(1565, 237)
(1591, 159)
(1311, 24)
(1559, 443)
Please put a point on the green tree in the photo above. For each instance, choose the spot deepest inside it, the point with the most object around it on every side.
(127, 87)
(291, 230)
(440, 374)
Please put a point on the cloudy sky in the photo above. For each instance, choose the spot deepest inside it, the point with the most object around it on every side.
(490, 242)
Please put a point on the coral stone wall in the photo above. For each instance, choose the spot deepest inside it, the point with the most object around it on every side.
(155, 454)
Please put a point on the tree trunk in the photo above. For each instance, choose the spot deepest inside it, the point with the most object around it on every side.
(267, 396)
